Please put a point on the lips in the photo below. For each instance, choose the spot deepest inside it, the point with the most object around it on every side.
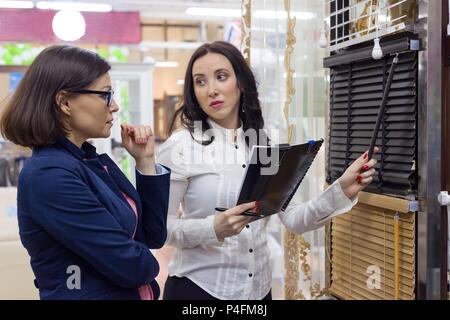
(110, 122)
(216, 103)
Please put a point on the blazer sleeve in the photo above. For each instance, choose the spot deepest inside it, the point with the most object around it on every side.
(69, 211)
(154, 194)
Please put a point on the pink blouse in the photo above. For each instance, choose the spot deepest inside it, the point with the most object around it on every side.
(145, 291)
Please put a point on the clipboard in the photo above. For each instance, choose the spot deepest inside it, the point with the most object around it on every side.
(274, 174)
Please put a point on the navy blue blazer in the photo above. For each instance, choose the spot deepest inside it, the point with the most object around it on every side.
(77, 226)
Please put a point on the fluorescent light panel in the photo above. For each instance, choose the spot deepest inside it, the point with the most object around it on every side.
(271, 14)
(78, 6)
(216, 12)
(17, 4)
(166, 64)
(236, 13)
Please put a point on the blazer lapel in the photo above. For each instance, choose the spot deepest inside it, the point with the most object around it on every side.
(121, 181)
(96, 166)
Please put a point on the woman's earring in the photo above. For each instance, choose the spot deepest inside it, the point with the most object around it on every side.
(242, 103)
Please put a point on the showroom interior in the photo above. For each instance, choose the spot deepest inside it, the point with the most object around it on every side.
(323, 68)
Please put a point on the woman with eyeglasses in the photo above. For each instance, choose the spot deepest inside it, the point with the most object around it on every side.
(87, 230)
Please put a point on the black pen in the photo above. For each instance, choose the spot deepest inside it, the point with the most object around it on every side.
(246, 213)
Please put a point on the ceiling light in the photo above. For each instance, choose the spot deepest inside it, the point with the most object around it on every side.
(78, 6)
(69, 25)
(166, 64)
(145, 45)
(17, 4)
(237, 13)
(271, 14)
(216, 12)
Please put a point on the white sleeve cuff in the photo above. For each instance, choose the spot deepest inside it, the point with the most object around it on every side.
(159, 170)
(338, 200)
(211, 236)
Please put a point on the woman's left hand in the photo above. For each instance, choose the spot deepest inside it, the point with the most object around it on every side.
(139, 141)
(358, 175)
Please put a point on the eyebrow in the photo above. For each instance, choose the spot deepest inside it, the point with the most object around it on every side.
(217, 71)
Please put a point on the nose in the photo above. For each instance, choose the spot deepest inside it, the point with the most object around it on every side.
(212, 92)
(114, 106)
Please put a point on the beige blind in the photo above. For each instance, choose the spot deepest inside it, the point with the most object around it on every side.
(362, 254)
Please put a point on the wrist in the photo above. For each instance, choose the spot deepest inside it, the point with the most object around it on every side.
(146, 165)
(343, 188)
(216, 226)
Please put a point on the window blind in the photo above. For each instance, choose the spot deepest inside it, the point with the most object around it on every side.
(362, 244)
(356, 91)
(362, 241)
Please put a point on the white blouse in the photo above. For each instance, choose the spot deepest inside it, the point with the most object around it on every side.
(205, 177)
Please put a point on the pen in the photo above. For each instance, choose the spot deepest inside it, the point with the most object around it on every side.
(246, 213)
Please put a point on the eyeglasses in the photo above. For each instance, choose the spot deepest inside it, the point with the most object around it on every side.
(107, 95)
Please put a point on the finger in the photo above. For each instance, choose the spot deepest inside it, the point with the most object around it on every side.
(242, 208)
(144, 136)
(128, 129)
(139, 136)
(372, 163)
(148, 131)
(124, 126)
(124, 133)
(367, 181)
(362, 160)
(367, 174)
(238, 219)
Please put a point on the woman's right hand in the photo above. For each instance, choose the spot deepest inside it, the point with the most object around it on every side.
(231, 222)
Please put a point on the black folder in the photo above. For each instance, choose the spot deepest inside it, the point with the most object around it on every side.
(274, 174)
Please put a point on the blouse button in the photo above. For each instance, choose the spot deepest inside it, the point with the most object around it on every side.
(250, 275)
(247, 226)
(250, 250)
(243, 166)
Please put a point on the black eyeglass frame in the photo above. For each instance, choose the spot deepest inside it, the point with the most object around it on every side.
(109, 95)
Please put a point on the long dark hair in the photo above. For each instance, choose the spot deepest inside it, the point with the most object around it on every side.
(249, 108)
(31, 117)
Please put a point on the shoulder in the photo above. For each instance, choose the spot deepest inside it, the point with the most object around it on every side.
(48, 164)
(177, 141)
(180, 135)
(179, 152)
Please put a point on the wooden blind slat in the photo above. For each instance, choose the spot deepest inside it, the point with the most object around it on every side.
(364, 237)
(345, 247)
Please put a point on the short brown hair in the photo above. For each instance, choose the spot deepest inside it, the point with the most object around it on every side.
(31, 117)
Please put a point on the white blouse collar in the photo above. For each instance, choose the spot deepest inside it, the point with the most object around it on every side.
(215, 125)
